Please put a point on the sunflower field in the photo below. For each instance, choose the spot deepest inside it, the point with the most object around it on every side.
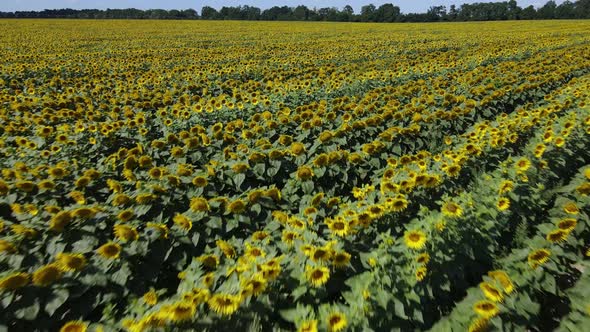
(273, 176)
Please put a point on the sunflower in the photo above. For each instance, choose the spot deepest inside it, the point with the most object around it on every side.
(584, 189)
(183, 222)
(71, 262)
(273, 193)
(14, 281)
(47, 274)
(486, 309)
(253, 252)
(180, 311)
(60, 220)
(415, 239)
(256, 284)
(341, 259)
(297, 148)
(200, 181)
(150, 298)
(84, 212)
(522, 165)
(162, 229)
(126, 215)
(125, 232)
(83, 182)
(78, 197)
(317, 276)
(320, 254)
(74, 326)
(304, 173)
(338, 226)
(240, 167)
(538, 257)
(22, 230)
(559, 141)
(567, 224)
(480, 324)
(539, 150)
(503, 204)
(557, 235)
(109, 250)
(224, 304)
(421, 273)
(452, 209)
(44, 185)
(453, 170)
(423, 258)
(7, 247)
(199, 204)
(26, 186)
(308, 326)
(209, 260)
(504, 280)
(506, 186)
(238, 206)
(336, 322)
(4, 187)
(121, 199)
(227, 249)
(491, 292)
(571, 208)
(398, 204)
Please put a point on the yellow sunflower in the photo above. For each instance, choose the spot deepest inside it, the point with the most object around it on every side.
(480, 324)
(415, 239)
(504, 280)
(109, 250)
(317, 275)
(503, 204)
(491, 292)
(47, 274)
(336, 322)
(15, 281)
(486, 309)
(308, 326)
(74, 326)
(452, 209)
(224, 304)
(71, 262)
(183, 222)
(538, 257)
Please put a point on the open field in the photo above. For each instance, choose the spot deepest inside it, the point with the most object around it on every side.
(175, 175)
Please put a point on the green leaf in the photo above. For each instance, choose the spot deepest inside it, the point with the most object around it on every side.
(239, 179)
(30, 312)
(57, 299)
(307, 187)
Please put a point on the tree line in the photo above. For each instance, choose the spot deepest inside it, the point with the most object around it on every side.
(481, 11)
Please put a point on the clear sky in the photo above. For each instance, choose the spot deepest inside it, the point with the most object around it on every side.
(406, 6)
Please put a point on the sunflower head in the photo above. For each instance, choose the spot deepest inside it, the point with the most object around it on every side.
(415, 239)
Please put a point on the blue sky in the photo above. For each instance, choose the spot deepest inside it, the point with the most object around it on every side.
(405, 5)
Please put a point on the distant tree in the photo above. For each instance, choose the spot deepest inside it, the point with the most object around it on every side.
(528, 13)
(567, 10)
(301, 13)
(582, 8)
(437, 13)
(453, 13)
(209, 13)
(513, 10)
(348, 13)
(386, 13)
(368, 13)
(548, 10)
